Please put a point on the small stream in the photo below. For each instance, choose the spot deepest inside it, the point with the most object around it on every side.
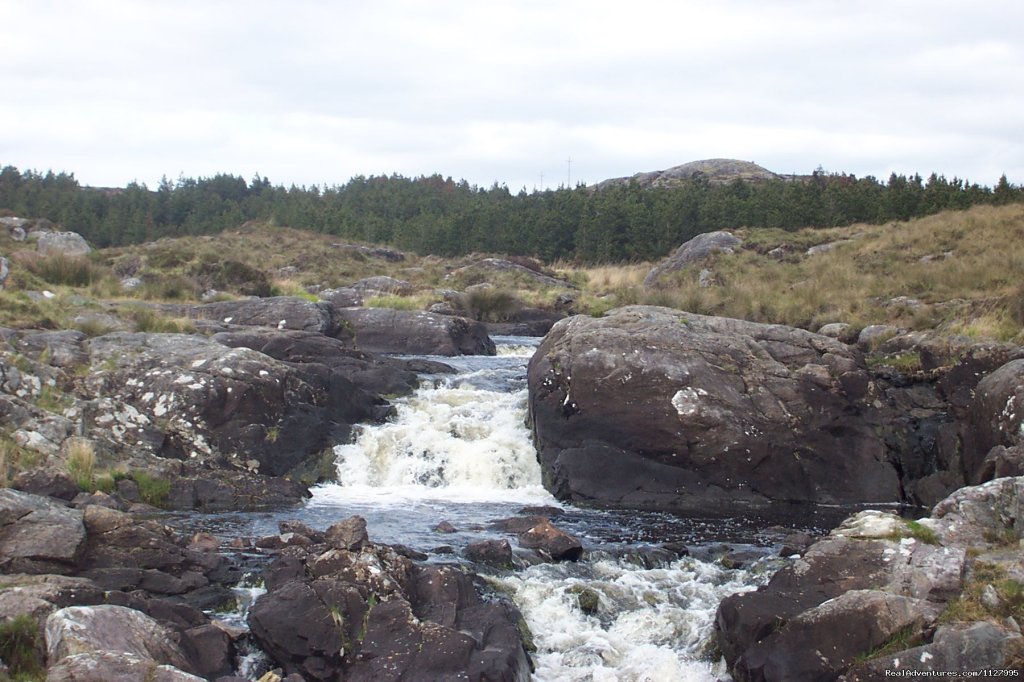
(458, 450)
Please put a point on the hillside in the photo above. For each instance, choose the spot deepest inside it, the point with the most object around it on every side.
(715, 171)
(957, 271)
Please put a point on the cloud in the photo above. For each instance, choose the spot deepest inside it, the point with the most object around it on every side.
(313, 93)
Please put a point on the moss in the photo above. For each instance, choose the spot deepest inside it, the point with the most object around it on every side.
(922, 533)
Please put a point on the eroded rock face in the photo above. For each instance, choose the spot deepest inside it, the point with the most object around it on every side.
(693, 251)
(996, 418)
(381, 330)
(651, 407)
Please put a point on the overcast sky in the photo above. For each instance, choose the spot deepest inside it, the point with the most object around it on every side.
(315, 92)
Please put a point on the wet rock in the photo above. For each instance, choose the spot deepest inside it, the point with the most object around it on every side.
(795, 543)
(693, 251)
(656, 408)
(491, 552)
(373, 614)
(209, 649)
(551, 541)
(38, 535)
(349, 534)
(380, 330)
(445, 527)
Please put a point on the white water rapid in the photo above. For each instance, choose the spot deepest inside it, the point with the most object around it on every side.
(458, 450)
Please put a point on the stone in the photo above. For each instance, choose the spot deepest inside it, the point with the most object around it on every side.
(349, 534)
(38, 535)
(492, 552)
(551, 541)
(114, 666)
(278, 312)
(657, 408)
(106, 628)
(5, 271)
(694, 251)
(874, 335)
(65, 243)
(381, 330)
(381, 285)
(532, 274)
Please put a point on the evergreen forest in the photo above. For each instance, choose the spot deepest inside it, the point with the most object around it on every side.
(436, 215)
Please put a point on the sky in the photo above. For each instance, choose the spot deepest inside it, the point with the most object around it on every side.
(528, 94)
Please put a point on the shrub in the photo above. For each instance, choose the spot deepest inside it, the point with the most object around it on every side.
(60, 269)
(491, 305)
(151, 321)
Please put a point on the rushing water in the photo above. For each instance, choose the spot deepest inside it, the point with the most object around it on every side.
(458, 450)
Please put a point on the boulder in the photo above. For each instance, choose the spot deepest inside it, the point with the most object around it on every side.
(5, 271)
(658, 408)
(106, 628)
(65, 243)
(500, 265)
(376, 286)
(878, 582)
(190, 398)
(995, 418)
(278, 312)
(975, 646)
(693, 251)
(381, 330)
(38, 535)
(114, 666)
(373, 614)
(349, 534)
(492, 552)
(552, 542)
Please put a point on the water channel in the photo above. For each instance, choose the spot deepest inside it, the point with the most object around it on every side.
(458, 450)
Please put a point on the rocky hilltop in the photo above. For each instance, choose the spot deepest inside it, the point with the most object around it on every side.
(715, 171)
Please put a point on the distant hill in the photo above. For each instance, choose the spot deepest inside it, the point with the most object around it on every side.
(717, 172)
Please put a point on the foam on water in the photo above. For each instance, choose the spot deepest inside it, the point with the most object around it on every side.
(652, 624)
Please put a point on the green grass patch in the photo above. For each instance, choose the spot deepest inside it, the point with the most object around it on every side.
(152, 490)
(21, 648)
(922, 533)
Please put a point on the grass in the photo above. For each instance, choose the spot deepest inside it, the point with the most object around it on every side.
(81, 463)
(976, 291)
(395, 302)
(21, 648)
(59, 269)
(153, 491)
(970, 605)
(901, 640)
(52, 399)
(152, 321)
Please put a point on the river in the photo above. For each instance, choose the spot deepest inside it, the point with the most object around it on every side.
(458, 450)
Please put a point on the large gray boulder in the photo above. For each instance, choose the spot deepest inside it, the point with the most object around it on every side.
(693, 251)
(66, 243)
(657, 408)
(37, 534)
(114, 666)
(382, 330)
(382, 285)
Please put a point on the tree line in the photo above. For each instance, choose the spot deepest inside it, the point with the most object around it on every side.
(433, 214)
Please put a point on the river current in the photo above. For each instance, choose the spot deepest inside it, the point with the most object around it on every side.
(458, 450)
